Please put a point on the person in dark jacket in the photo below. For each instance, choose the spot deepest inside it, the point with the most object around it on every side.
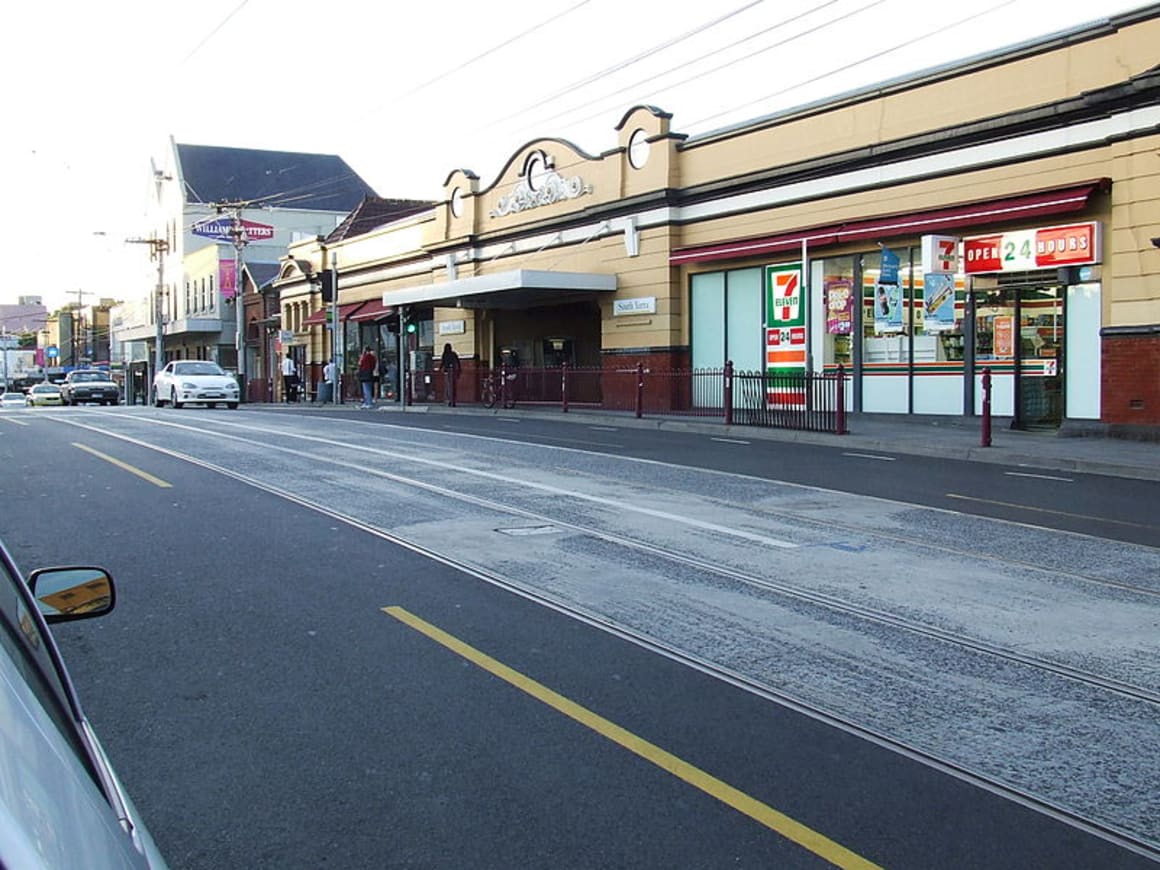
(449, 365)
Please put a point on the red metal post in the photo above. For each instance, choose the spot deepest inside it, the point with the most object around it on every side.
(639, 390)
(986, 406)
(564, 387)
(728, 392)
(841, 403)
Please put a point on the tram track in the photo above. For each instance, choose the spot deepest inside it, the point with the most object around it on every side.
(748, 579)
(1028, 797)
(1060, 805)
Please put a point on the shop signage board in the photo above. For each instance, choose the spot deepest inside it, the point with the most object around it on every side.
(785, 334)
(638, 305)
(940, 254)
(221, 229)
(1025, 250)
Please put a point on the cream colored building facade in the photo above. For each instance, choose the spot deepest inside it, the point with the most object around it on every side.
(659, 250)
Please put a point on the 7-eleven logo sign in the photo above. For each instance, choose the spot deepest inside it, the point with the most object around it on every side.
(784, 304)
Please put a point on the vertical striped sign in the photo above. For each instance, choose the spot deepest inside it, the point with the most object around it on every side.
(785, 334)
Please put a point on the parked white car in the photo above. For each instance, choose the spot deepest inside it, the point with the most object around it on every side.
(196, 381)
(13, 400)
(61, 803)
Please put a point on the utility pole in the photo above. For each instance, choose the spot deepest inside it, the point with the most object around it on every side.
(240, 240)
(157, 250)
(80, 342)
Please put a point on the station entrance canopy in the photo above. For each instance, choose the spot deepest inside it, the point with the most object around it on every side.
(514, 290)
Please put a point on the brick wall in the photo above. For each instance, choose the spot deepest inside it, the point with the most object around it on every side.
(1130, 380)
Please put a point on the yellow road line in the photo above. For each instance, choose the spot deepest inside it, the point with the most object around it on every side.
(792, 830)
(144, 475)
(1040, 510)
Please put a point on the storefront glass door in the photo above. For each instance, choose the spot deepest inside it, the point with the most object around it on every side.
(1040, 387)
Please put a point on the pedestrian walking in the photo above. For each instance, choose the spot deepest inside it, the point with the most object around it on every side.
(289, 379)
(328, 382)
(449, 365)
(368, 366)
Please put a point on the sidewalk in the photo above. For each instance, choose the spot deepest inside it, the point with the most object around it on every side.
(919, 435)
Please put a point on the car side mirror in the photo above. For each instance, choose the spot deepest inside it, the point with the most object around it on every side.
(66, 594)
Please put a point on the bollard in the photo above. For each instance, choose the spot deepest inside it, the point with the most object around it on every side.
(728, 393)
(564, 387)
(840, 407)
(986, 406)
(639, 390)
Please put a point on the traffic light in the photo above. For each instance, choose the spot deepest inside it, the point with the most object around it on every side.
(327, 285)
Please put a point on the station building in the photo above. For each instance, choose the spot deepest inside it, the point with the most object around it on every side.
(995, 216)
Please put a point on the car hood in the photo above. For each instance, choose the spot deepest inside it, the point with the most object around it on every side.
(207, 380)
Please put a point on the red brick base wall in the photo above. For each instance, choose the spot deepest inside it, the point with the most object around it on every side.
(619, 381)
(1130, 379)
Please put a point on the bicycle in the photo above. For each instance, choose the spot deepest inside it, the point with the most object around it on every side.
(498, 384)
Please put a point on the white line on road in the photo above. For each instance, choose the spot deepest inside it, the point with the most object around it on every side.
(730, 440)
(604, 428)
(872, 456)
(1039, 476)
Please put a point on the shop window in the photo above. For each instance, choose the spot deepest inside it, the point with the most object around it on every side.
(727, 319)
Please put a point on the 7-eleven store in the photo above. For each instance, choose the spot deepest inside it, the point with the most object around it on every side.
(916, 321)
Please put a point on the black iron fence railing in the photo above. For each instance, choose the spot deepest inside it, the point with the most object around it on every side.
(813, 401)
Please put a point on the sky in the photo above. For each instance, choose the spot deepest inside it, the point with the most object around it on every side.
(95, 89)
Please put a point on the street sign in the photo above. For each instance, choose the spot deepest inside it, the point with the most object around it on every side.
(52, 351)
(221, 229)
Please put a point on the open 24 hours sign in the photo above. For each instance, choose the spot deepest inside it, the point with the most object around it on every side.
(1024, 250)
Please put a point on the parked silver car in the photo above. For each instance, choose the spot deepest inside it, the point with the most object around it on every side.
(61, 804)
(196, 381)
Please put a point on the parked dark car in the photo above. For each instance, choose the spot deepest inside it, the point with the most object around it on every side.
(89, 385)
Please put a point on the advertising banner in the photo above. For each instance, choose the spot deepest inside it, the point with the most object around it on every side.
(938, 301)
(839, 306)
(228, 278)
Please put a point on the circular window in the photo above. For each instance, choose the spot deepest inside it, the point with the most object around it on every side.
(638, 148)
(457, 202)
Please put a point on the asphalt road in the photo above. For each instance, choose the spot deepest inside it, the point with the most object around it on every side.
(285, 683)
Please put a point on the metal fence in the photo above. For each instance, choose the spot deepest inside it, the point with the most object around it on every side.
(810, 401)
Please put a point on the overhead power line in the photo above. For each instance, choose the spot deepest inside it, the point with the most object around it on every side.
(214, 32)
(490, 51)
(639, 98)
(857, 63)
(644, 55)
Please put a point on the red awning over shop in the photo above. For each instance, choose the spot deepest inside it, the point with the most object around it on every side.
(318, 318)
(372, 310)
(1036, 204)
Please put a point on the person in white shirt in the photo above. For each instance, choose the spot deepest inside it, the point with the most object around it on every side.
(289, 379)
(328, 382)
